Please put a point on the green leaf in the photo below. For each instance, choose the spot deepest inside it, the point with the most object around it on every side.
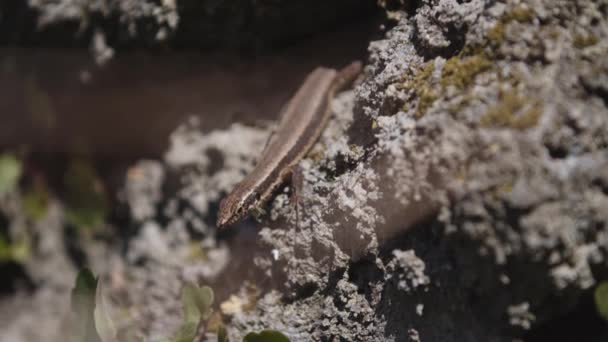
(19, 251)
(222, 336)
(265, 336)
(186, 333)
(128, 334)
(601, 299)
(10, 171)
(83, 304)
(103, 323)
(196, 302)
(86, 283)
(86, 201)
(188, 297)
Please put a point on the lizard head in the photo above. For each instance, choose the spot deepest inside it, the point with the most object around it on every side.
(234, 207)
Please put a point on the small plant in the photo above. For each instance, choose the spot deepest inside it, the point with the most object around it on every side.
(601, 299)
(36, 200)
(222, 336)
(265, 336)
(90, 320)
(196, 302)
(18, 251)
(10, 171)
(86, 201)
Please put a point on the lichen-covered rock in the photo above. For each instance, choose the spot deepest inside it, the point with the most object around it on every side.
(485, 118)
(458, 190)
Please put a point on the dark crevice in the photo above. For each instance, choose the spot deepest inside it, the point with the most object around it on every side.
(557, 152)
(306, 291)
(216, 161)
(411, 7)
(73, 247)
(343, 165)
(14, 278)
(601, 184)
(598, 90)
(233, 25)
(583, 320)
(4, 224)
(455, 35)
(513, 216)
(363, 273)
(120, 216)
(359, 132)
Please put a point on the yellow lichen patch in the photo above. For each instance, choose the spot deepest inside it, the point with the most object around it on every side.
(460, 72)
(457, 71)
(356, 149)
(421, 85)
(196, 252)
(461, 175)
(582, 41)
(463, 102)
(501, 190)
(497, 33)
(504, 188)
(519, 13)
(316, 153)
(513, 111)
(421, 79)
(426, 99)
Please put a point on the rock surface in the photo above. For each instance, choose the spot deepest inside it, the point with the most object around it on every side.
(486, 112)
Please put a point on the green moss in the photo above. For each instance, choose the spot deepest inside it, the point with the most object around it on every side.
(513, 111)
(582, 41)
(460, 72)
